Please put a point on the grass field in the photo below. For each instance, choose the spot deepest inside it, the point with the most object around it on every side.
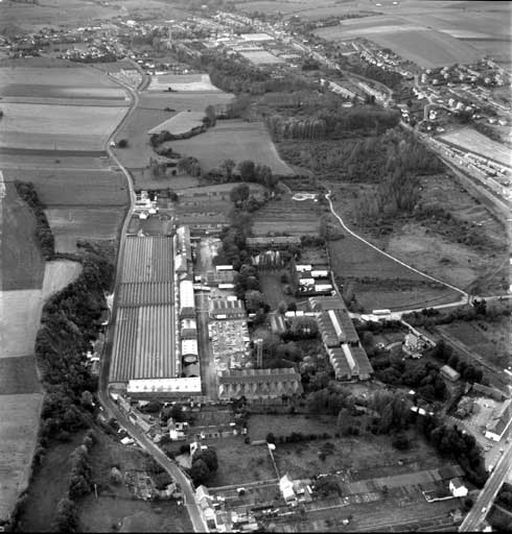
(18, 376)
(19, 424)
(42, 126)
(236, 140)
(471, 140)
(273, 288)
(262, 57)
(73, 223)
(181, 123)
(22, 266)
(74, 187)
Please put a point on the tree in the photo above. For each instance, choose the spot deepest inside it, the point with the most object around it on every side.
(247, 171)
(199, 472)
(66, 517)
(122, 143)
(211, 115)
(209, 457)
(254, 300)
(239, 193)
(227, 166)
(78, 486)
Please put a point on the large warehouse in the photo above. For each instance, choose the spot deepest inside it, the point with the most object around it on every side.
(146, 353)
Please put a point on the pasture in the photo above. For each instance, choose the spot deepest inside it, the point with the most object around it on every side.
(21, 263)
(74, 187)
(471, 140)
(182, 83)
(47, 127)
(233, 139)
(19, 424)
(68, 224)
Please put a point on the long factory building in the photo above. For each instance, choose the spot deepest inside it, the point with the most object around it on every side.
(155, 350)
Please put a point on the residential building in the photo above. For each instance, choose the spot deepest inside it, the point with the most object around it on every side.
(457, 488)
(497, 426)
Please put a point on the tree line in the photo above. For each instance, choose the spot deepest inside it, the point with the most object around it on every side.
(44, 236)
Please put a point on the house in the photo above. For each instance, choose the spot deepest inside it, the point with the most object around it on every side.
(286, 489)
(457, 488)
(295, 491)
(449, 373)
(497, 426)
(413, 345)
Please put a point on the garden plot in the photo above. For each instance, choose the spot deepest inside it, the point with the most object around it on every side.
(182, 83)
(70, 224)
(47, 127)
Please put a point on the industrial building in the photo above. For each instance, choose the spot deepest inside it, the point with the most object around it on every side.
(259, 384)
(340, 339)
(155, 350)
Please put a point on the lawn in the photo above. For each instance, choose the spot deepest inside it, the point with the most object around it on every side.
(22, 266)
(70, 224)
(19, 425)
(48, 127)
(240, 463)
(233, 139)
(57, 187)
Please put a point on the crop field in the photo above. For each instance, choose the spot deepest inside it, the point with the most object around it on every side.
(182, 83)
(474, 141)
(21, 263)
(37, 160)
(236, 140)
(18, 375)
(19, 425)
(74, 187)
(70, 224)
(47, 127)
(58, 274)
(287, 216)
(181, 123)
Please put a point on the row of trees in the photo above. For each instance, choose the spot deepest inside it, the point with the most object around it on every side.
(69, 323)
(204, 466)
(44, 236)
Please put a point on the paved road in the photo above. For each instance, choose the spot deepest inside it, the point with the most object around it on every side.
(473, 521)
(103, 395)
(353, 234)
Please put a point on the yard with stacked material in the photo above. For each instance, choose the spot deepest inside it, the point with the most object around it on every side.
(288, 217)
(144, 332)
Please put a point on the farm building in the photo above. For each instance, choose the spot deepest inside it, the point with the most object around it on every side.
(187, 303)
(457, 488)
(497, 426)
(450, 374)
(214, 278)
(164, 387)
(257, 384)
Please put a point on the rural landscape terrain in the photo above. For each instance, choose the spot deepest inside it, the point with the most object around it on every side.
(255, 266)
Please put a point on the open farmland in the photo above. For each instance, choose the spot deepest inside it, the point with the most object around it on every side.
(234, 139)
(182, 83)
(182, 123)
(73, 223)
(287, 216)
(74, 187)
(22, 266)
(19, 423)
(47, 127)
(381, 282)
(473, 141)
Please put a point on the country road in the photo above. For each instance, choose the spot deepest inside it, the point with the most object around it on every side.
(106, 401)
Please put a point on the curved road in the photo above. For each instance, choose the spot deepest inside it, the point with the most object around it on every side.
(108, 404)
(463, 299)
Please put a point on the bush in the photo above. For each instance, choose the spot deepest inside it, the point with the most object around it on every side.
(122, 143)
